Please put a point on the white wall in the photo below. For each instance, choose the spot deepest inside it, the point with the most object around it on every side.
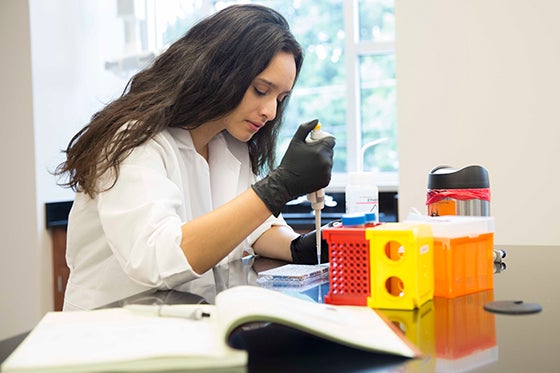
(53, 79)
(23, 262)
(478, 83)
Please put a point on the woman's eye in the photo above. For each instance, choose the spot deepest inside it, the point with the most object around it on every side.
(258, 92)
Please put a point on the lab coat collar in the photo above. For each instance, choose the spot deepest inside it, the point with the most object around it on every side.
(182, 138)
(224, 166)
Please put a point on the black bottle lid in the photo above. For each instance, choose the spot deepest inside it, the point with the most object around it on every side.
(469, 177)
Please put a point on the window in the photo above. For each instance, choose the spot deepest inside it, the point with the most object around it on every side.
(347, 80)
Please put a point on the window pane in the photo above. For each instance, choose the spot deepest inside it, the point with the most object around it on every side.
(174, 18)
(376, 20)
(378, 110)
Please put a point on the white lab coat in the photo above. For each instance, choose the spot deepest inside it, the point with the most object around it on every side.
(126, 240)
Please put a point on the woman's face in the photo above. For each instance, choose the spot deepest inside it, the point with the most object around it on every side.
(260, 102)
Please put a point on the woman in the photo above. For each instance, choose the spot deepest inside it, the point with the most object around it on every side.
(166, 174)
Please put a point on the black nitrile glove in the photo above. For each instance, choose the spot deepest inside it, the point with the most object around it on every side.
(305, 168)
(304, 249)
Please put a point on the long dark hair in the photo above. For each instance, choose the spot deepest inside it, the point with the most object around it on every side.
(201, 77)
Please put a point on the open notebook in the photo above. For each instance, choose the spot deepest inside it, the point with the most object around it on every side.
(155, 338)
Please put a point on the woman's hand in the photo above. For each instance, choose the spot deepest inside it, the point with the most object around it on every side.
(305, 168)
(304, 249)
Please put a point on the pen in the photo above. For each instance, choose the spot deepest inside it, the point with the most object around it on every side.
(179, 311)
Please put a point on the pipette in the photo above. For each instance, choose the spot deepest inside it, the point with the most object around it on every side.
(317, 198)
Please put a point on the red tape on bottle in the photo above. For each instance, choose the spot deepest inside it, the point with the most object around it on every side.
(436, 195)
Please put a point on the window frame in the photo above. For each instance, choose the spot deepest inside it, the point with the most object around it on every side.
(354, 48)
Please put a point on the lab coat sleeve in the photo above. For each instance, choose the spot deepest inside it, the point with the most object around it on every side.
(141, 220)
